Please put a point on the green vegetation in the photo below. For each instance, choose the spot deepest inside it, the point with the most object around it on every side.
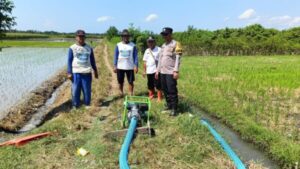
(180, 142)
(258, 96)
(31, 34)
(11, 43)
(44, 39)
(6, 20)
(251, 40)
(20, 36)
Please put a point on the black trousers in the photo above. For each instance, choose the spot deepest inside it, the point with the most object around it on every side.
(121, 76)
(152, 82)
(169, 87)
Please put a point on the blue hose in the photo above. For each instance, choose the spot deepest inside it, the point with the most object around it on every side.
(237, 162)
(123, 161)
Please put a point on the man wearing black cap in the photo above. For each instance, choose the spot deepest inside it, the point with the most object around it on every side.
(126, 61)
(81, 63)
(168, 67)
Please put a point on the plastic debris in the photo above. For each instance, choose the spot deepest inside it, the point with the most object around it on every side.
(82, 152)
(24, 140)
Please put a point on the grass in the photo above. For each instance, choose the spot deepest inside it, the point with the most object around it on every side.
(19, 43)
(257, 96)
(26, 35)
(179, 142)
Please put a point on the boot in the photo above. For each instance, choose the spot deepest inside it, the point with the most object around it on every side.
(167, 107)
(173, 112)
(151, 94)
(159, 96)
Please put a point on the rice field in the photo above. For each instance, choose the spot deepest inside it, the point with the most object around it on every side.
(258, 96)
(36, 43)
(24, 69)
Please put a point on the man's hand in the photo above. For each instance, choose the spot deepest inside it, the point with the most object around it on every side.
(156, 75)
(115, 70)
(144, 74)
(175, 75)
(70, 77)
(96, 74)
(136, 70)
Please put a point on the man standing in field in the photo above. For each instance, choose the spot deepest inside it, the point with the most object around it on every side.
(126, 61)
(168, 67)
(81, 63)
(150, 59)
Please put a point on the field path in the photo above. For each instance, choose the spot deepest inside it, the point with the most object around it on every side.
(114, 84)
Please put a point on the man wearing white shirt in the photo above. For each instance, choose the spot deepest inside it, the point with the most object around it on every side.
(126, 61)
(81, 64)
(151, 57)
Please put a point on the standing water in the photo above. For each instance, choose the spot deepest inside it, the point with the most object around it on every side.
(246, 151)
(24, 69)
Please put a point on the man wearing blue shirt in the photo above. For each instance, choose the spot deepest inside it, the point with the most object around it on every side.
(81, 63)
(126, 61)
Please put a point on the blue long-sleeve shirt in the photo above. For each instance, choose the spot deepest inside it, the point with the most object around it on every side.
(134, 55)
(71, 58)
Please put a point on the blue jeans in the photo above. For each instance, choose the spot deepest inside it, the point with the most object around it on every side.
(81, 82)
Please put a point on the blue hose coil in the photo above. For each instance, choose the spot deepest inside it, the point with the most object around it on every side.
(237, 162)
(123, 161)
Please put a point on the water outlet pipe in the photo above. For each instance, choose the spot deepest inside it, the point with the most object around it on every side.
(123, 156)
(233, 156)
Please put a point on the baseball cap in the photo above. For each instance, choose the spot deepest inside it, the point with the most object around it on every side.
(80, 32)
(166, 31)
(150, 39)
(125, 32)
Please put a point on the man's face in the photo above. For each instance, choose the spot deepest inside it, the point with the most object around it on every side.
(151, 44)
(167, 37)
(80, 39)
(125, 39)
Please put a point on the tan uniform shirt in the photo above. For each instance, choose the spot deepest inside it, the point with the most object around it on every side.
(169, 61)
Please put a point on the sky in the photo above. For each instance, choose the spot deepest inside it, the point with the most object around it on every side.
(96, 16)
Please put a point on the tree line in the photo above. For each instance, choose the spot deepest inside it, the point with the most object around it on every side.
(250, 40)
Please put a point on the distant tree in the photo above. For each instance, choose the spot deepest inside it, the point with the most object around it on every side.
(134, 32)
(51, 32)
(191, 29)
(112, 32)
(7, 21)
(250, 40)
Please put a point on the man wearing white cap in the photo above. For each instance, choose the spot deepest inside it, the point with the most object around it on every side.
(150, 59)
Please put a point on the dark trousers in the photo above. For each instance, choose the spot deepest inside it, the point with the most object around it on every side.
(152, 82)
(169, 87)
(81, 82)
(121, 75)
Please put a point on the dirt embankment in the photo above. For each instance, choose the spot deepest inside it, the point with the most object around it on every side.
(18, 115)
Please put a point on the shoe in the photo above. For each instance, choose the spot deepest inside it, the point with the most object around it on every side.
(159, 96)
(173, 113)
(151, 94)
(166, 109)
(87, 107)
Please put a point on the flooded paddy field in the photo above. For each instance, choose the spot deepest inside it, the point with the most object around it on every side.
(24, 69)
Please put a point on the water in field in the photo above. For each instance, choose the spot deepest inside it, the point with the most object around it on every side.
(24, 69)
(246, 151)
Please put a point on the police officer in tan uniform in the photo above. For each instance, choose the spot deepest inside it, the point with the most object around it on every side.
(168, 67)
